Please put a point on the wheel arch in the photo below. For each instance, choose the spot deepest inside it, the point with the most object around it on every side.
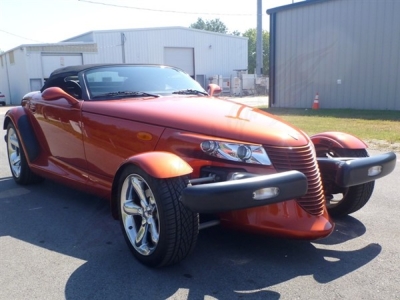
(24, 130)
(157, 164)
(333, 139)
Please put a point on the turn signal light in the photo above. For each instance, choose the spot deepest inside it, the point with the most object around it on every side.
(266, 193)
(375, 170)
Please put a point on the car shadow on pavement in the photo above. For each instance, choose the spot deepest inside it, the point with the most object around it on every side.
(225, 264)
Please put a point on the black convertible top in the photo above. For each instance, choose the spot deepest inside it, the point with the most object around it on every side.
(73, 69)
(59, 74)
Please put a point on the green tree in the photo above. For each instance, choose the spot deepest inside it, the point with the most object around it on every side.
(215, 25)
(251, 34)
(236, 32)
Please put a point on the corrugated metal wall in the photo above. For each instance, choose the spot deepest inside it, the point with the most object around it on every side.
(213, 53)
(346, 50)
(18, 87)
(4, 82)
(109, 47)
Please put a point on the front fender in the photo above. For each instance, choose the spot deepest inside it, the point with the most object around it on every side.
(334, 139)
(12, 115)
(161, 164)
(24, 130)
(157, 164)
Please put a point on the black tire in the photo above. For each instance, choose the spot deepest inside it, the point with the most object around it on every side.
(341, 202)
(19, 166)
(158, 229)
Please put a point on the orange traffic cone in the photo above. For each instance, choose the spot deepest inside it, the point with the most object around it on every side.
(316, 102)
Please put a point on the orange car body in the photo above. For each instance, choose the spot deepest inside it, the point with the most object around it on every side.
(84, 143)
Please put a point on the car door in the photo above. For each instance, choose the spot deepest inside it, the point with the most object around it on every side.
(60, 123)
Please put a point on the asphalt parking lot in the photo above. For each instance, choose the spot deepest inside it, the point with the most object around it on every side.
(56, 243)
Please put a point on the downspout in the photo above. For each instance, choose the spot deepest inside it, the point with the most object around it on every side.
(123, 39)
(272, 59)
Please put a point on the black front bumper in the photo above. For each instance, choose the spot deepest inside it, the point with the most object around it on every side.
(239, 194)
(354, 171)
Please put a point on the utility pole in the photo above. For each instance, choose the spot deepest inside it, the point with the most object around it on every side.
(259, 44)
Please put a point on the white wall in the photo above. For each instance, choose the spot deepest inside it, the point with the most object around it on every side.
(226, 53)
(17, 75)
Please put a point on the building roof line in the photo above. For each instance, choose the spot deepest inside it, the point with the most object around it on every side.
(153, 28)
(293, 5)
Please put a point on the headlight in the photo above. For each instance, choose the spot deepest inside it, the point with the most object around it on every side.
(252, 154)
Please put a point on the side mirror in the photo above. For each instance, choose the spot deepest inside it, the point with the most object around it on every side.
(214, 89)
(55, 93)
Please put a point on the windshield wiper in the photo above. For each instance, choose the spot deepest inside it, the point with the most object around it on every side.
(121, 94)
(190, 92)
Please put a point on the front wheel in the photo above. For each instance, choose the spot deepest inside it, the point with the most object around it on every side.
(19, 167)
(341, 201)
(158, 229)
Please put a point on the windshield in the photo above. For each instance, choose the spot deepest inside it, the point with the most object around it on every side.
(122, 81)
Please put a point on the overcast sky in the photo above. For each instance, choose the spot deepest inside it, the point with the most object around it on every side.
(50, 21)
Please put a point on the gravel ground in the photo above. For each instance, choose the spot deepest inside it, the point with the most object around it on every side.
(383, 145)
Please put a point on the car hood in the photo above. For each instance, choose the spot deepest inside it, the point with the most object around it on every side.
(205, 115)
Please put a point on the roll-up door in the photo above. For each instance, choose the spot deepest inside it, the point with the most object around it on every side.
(182, 58)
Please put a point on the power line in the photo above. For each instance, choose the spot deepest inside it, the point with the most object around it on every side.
(165, 11)
(22, 37)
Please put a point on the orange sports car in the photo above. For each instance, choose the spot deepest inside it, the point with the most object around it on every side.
(173, 158)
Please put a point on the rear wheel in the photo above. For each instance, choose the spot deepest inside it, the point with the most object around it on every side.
(343, 201)
(19, 167)
(158, 229)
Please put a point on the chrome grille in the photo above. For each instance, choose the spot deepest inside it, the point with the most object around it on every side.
(301, 159)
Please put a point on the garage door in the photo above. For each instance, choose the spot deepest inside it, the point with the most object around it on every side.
(50, 62)
(182, 58)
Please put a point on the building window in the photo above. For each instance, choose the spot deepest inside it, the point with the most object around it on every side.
(11, 57)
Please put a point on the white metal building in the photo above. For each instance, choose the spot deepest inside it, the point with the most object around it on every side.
(346, 50)
(202, 54)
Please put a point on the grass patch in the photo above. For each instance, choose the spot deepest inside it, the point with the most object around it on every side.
(373, 126)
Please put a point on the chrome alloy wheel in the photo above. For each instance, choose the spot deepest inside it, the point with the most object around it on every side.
(140, 214)
(14, 152)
